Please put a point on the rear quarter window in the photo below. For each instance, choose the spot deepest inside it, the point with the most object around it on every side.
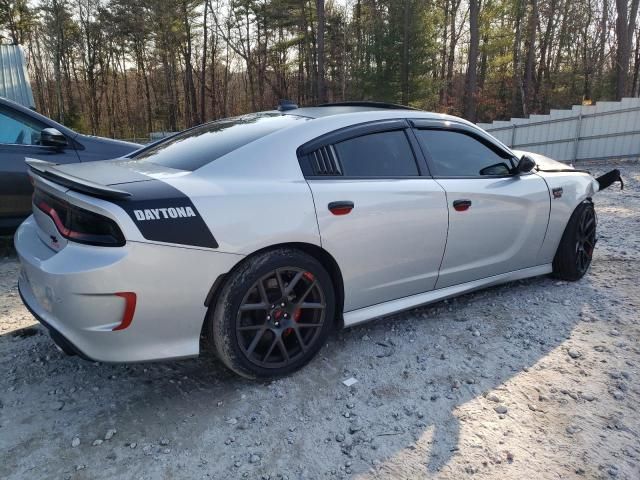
(204, 144)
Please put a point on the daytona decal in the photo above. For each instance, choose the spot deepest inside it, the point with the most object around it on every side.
(164, 214)
(158, 213)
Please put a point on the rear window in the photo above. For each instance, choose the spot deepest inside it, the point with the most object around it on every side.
(201, 145)
(384, 154)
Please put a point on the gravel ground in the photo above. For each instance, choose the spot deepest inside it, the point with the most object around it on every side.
(535, 379)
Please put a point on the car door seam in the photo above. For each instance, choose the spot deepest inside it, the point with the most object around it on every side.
(315, 211)
(546, 231)
(446, 238)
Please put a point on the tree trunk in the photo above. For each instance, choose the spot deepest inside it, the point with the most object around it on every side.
(453, 41)
(404, 81)
(203, 69)
(625, 26)
(322, 90)
(443, 55)
(471, 80)
(516, 101)
(528, 87)
(636, 68)
(482, 76)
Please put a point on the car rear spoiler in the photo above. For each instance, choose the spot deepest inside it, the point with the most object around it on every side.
(49, 171)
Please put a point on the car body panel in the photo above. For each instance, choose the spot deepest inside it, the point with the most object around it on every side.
(391, 244)
(567, 190)
(73, 291)
(571, 189)
(502, 231)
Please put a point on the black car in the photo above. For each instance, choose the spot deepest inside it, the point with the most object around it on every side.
(27, 134)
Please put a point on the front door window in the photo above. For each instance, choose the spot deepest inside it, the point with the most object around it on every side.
(18, 130)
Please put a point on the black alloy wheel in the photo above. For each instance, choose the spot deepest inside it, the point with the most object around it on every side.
(586, 240)
(280, 316)
(273, 314)
(575, 251)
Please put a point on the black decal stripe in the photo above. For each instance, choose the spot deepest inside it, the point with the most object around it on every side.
(156, 194)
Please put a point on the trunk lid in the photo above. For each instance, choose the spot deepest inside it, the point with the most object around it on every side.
(102, 179)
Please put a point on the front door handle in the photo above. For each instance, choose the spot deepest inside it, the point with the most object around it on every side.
(461, 205)
(342, 207)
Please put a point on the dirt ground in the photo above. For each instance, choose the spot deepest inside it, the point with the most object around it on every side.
(534, 379)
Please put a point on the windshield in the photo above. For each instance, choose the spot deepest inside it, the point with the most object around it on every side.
(201, 145)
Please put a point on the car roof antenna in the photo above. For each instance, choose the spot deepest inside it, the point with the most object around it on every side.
(285, 105)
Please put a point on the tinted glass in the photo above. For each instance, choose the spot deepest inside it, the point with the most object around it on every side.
(198, 146)
(16, 129)
(386, 154)
(455, 154)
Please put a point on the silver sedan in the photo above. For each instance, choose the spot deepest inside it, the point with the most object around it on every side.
(264, 232)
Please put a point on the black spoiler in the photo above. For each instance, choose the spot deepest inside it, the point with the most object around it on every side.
(49, 171)
(610, 177)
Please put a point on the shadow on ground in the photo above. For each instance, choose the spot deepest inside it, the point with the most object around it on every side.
(411, 378)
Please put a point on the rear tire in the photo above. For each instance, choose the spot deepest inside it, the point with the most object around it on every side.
(575, 251)
(273, 314)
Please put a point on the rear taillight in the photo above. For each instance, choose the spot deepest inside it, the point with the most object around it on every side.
(77, 224)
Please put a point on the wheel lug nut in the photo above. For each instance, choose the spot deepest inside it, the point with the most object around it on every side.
(273, 306)
(286, 315)
(268, 317)
(282, 304)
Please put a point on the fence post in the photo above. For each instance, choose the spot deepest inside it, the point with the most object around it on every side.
(513, 136)
(576, 141)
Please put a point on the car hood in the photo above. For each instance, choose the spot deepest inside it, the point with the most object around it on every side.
(543, 162)
(105, 148)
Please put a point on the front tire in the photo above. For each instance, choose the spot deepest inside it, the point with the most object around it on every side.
(273, 315)
(575, 251)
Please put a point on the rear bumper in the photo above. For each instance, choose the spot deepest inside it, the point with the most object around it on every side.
(65, 345)
(72, 292)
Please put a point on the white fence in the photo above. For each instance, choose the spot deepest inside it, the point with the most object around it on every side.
(606, 130)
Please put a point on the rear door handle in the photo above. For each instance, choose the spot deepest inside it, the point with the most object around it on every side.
(342, 207)
(461, 205)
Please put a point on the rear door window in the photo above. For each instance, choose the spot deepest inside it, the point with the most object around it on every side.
(201, 145)
(384, 154)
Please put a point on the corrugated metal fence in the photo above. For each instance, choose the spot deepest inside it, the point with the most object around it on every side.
(14, 79)
(606, 130)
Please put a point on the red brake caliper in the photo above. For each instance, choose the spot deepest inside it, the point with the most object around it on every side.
(298, 313)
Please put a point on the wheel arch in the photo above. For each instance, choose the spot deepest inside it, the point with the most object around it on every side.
(315, 251)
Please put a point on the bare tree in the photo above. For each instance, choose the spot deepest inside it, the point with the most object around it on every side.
(471, 81)
(625, 26)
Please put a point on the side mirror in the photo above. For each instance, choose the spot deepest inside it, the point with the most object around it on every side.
(51, 137)
(525, 165)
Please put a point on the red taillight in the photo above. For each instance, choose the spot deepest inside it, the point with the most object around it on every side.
(44, 206)
(77, 224)
(129, 309)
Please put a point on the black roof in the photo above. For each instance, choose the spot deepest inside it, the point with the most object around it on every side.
(369, 104)
(329, 109)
